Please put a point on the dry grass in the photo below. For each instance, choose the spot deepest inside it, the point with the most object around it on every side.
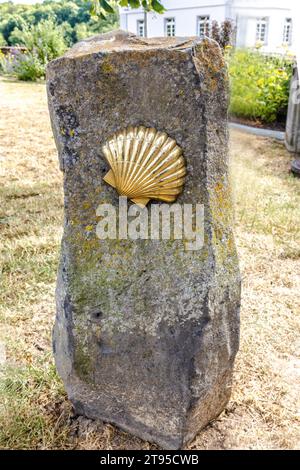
(34, 412)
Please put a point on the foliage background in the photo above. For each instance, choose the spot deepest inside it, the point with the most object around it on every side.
(72, 16)
(259, 85)
(46, 29)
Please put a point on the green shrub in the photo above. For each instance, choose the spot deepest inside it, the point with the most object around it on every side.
(259, 85)
(45, 40)
(28, 67)
(2, 62)
(7, 62)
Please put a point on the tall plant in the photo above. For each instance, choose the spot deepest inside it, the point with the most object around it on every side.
(45, 40)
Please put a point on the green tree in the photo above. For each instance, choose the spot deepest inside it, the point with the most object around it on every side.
(44, 39)
(104, 7)
(11, 22)
(2, 40)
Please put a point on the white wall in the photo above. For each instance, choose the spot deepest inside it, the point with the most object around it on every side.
(245, 12)
(185, 14)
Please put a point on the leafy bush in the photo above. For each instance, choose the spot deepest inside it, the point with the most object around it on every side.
(3, 63)
(44, 40)
(259, 85)
(8, 62)
(29, 67)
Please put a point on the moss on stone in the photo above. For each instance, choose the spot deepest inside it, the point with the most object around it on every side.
(82, 360)
(107, 66)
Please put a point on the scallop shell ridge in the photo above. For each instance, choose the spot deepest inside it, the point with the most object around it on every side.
(144, 164)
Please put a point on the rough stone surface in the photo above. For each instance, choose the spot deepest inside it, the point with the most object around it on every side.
(146, 333)
(292, 130)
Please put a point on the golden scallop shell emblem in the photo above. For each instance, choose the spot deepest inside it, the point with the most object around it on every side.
(144, 164)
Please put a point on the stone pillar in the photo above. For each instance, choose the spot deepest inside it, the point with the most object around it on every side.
(146, 330)
(292, 130)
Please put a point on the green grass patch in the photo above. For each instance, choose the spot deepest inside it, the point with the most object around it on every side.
(32, 407)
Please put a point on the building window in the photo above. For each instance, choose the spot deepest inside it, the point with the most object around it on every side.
(287, 31)
(170, 26)
(261, 30)
(203, 26)
(141, 28)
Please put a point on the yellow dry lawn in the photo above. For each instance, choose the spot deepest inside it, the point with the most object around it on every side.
(34, 411)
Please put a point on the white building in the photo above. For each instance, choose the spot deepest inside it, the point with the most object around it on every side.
(268, 22)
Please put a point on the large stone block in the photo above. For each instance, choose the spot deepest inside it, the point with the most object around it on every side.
(292, 130)
(146, 331)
